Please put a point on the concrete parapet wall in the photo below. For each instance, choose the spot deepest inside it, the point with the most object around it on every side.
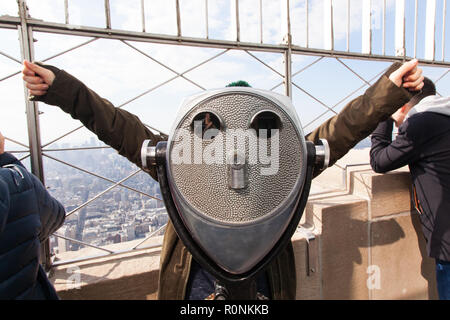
(369, 242)
(129, 275)
(361, 243)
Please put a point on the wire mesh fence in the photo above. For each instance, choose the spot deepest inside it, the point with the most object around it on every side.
(146, 56)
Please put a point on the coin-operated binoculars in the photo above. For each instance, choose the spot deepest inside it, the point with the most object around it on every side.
(235, 176)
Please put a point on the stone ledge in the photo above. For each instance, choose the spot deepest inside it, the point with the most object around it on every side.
(399, 254)
(343, 243)
(127, 275)
(388, 193)
(370, 231)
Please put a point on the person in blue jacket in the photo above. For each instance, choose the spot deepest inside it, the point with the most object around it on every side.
(28, 216)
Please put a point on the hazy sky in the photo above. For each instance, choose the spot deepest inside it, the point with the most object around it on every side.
(119, 73)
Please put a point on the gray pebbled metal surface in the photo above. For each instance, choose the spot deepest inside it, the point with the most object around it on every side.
(204, 186)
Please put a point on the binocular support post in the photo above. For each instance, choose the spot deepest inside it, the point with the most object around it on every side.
(242, 290)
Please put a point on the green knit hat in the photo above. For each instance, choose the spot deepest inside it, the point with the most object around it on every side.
(239, 83)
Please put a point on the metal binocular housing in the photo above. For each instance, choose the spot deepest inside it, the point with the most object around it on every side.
(235, 176)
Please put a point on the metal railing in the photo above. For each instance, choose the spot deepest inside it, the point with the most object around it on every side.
(25, 24)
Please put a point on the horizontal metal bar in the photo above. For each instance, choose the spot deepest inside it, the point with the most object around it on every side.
(8, 26)
(115, 253)
(58, 28)
(17, 151)
(77, 148)
(82, 242)
(110, 252)
(11, 21)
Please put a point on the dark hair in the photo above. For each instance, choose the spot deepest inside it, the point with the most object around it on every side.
(239, 83)
(429, 89)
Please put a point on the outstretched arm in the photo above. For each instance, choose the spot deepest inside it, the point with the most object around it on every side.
(118, 128)
(362, 115)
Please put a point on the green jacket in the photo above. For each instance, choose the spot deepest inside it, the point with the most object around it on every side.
(125, 132)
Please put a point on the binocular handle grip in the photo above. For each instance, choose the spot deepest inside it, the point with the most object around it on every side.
(152, 155)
